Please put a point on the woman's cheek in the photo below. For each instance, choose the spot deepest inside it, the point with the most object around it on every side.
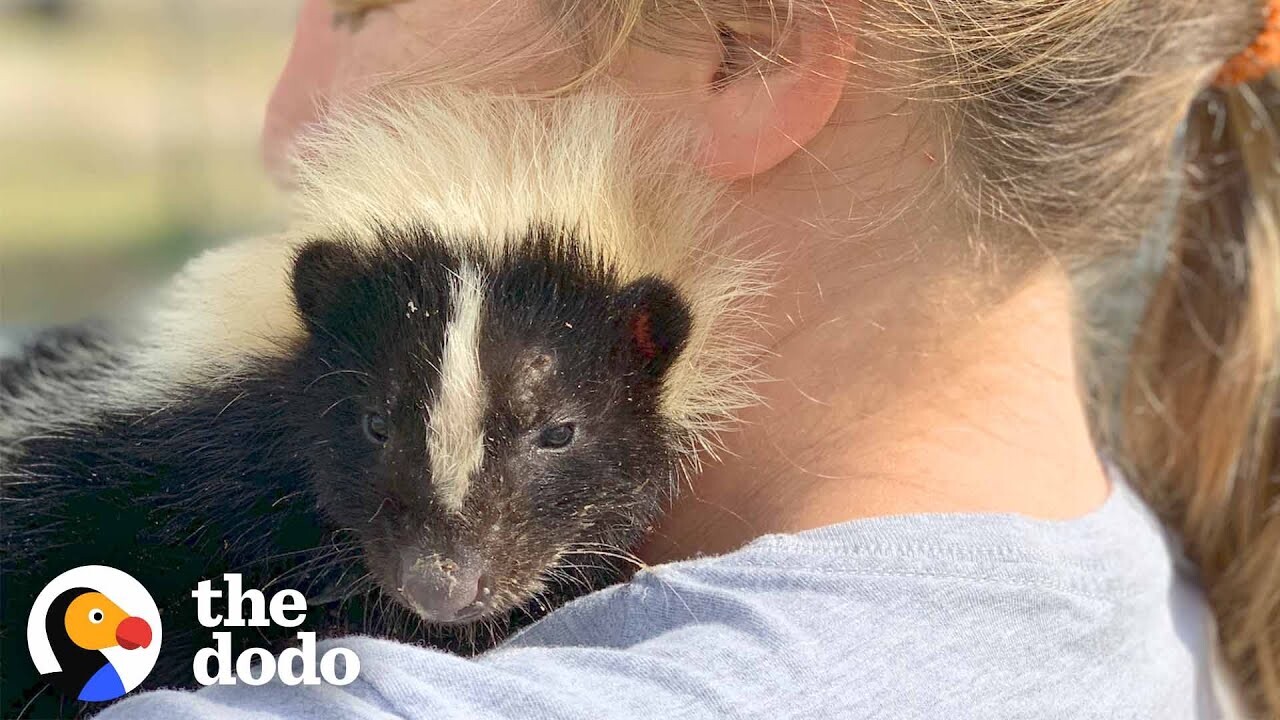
(503, 46)
(329, 63)
(479, 43)
(303, 86)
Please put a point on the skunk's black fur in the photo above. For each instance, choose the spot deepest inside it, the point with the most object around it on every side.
(267, 472)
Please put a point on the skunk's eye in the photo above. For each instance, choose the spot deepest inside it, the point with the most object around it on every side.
(96, 616)
(556, 437)
(375, 428)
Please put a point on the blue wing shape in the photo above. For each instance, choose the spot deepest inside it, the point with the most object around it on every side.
(104, 685)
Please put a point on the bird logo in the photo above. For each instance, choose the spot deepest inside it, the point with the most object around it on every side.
(94, 633)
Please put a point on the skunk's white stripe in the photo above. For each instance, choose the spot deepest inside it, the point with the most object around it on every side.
(455, 429)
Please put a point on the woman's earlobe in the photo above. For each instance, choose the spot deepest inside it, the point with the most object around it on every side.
(758, 110)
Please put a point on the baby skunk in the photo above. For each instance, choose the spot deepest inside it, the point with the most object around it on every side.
(465, 383)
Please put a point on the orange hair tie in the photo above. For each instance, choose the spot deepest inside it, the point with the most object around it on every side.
(1261, 57)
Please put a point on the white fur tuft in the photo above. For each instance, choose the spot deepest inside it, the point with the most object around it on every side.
(227, 307)
(486, 168)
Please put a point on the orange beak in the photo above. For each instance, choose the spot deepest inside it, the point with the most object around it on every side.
(133, 632)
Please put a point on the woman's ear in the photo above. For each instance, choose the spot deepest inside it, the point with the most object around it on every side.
(772, 92)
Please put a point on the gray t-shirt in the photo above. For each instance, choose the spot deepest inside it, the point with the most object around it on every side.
(922, 616)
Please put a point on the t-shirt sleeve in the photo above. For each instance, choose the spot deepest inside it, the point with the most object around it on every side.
(962, 617)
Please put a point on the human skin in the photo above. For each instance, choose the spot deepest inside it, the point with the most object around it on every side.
(908, 379)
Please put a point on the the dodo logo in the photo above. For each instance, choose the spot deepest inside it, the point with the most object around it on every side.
(94, 633)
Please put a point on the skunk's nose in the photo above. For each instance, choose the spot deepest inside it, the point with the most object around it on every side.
(444, 590)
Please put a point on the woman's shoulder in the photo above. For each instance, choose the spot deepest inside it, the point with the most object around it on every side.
(947, 615)
(913, 616)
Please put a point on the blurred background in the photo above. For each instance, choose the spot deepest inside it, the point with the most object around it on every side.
(128, 142)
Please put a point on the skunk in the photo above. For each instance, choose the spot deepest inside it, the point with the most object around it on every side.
(494, 342)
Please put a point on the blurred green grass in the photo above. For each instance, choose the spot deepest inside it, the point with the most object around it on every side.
(128, 141)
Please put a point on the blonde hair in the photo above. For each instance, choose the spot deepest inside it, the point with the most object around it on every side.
(1200, 409)
(1072, 125)
(1077, 128)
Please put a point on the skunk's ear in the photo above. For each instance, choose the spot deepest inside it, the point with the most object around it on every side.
(654, 322)
(335, 286)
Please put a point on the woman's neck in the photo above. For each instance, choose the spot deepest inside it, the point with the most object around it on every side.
(902, 386)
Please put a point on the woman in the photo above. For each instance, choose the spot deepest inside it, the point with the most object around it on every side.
(918, 525)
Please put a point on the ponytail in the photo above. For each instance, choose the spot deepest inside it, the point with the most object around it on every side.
(1200, 424)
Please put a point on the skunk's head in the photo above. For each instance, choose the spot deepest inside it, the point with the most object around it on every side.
(484, 421)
